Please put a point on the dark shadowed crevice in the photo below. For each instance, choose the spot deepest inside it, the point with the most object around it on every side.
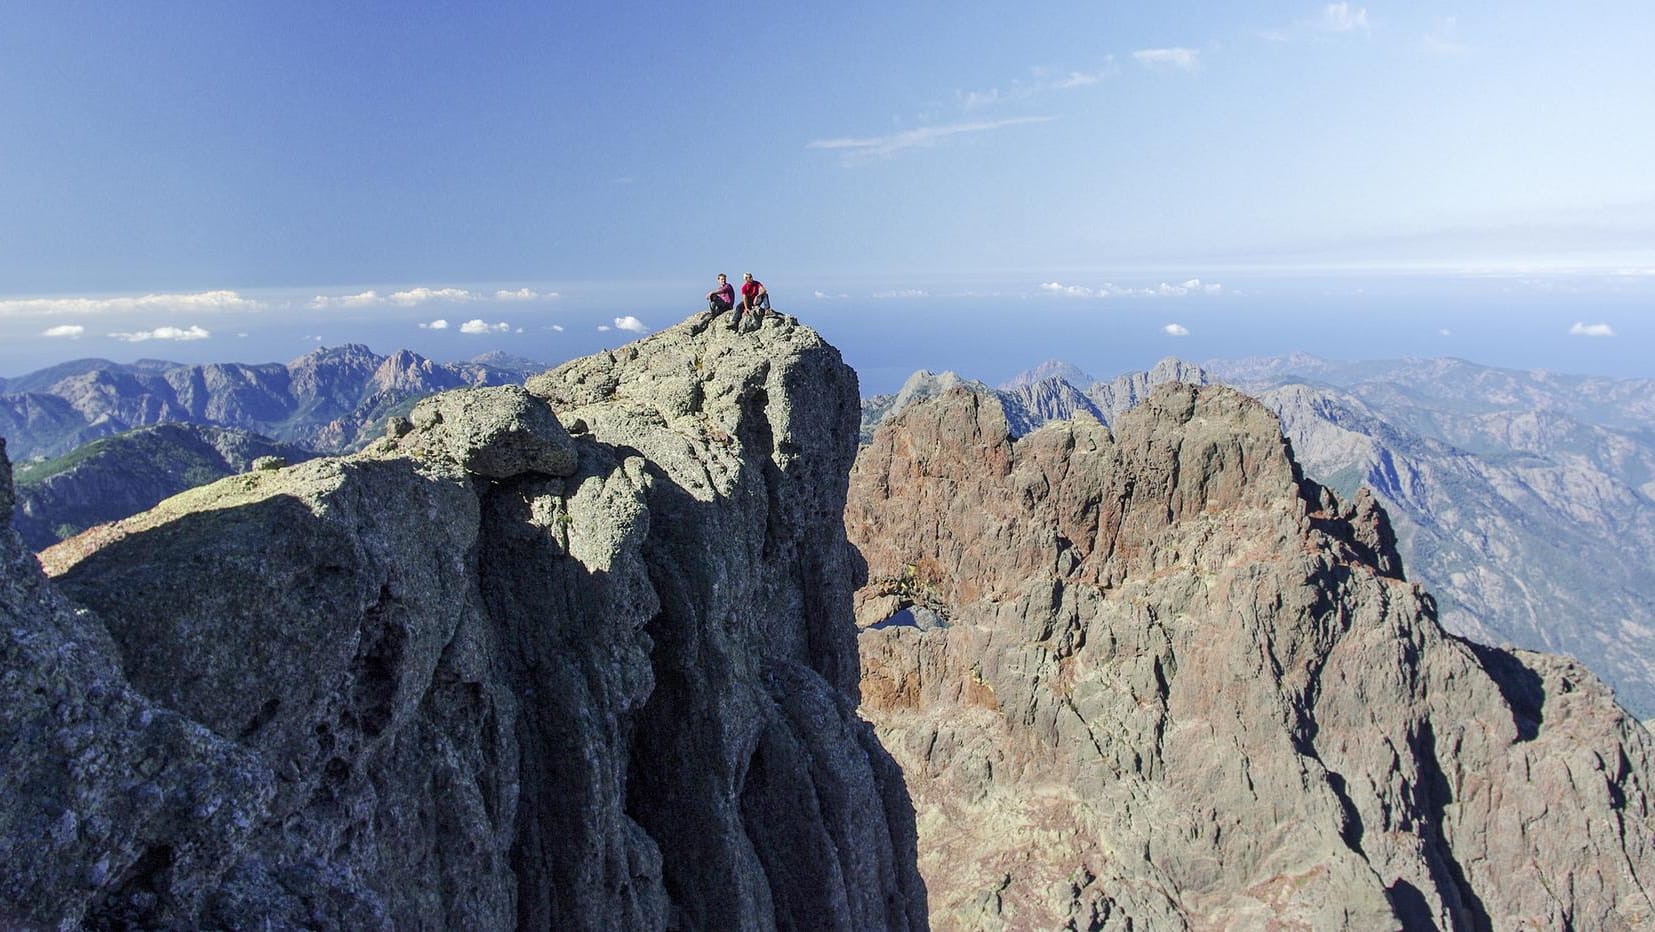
(1411, 906)
(374, 673)
(1433, 794)
(1522, 688)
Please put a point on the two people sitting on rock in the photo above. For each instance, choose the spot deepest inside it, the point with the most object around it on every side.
(755, 299)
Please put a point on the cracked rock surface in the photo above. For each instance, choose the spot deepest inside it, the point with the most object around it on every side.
(1166, 682)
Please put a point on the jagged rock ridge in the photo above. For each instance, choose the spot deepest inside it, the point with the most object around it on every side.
(1524, 501)
(492, 672)
(1048, 392)
(1170, 683)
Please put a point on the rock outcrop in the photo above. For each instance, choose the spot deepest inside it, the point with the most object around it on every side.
(1523, 501)
(1051, 391)
(1161, 680)
(580, 656)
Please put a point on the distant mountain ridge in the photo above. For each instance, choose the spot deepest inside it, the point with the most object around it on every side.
(1039, 395)
(1525, 501)
(331, 399)
(114, 477)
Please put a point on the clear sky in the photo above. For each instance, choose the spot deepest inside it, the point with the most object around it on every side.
(246, 180)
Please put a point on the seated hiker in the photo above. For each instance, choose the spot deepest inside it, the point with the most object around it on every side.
(754, 298)
(721, 298)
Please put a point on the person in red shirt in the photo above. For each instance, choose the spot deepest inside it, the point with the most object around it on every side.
(755, 300)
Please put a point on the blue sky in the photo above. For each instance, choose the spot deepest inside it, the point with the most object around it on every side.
(1347, 178)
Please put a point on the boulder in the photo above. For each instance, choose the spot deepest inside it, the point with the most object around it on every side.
(494, 432)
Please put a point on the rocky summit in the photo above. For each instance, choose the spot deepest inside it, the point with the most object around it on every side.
(578, 655)
(1155, 678)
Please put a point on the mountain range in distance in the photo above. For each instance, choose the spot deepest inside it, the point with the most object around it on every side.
(1523, 500)
(330, 400)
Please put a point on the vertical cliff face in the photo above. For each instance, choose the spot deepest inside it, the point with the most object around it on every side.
(576, 656)
(1155, 676)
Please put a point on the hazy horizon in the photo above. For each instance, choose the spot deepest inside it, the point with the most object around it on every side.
(988, 329)
(218, 182)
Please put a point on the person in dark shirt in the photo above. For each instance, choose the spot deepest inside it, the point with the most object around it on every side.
(721, 298)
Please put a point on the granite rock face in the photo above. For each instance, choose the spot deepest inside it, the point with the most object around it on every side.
(484, 674)
(103, 787)
(1164, 681)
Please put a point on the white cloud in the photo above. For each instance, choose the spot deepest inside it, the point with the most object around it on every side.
(631, 323)
(1073, 291)
(1342, 17)
(1445, 332)
(1186, 59)
(72, 331)
(438, 324)
(1193, 286)
(523, 294)
(411, 297)
(1087, 78)
(421, 295)
(824, 296)
(558, 327)
(361, 299)
(903, 293)
(406, 298)
(1043, 82)
(1591, 330)
(604, 328)
(164, 333)
(921, 137)
(194, 302)
(1177, 330)
(480, 326)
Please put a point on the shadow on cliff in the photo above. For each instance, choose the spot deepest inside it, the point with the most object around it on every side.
(750, 785)
(756, 688)
(1521, 687)
(672, 744)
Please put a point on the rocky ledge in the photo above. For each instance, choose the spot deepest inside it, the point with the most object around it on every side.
(576, 655)
(1156, 679)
